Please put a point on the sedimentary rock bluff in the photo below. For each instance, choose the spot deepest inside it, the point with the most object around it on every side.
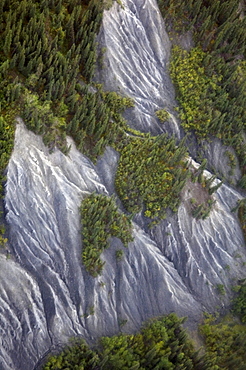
(46, 296)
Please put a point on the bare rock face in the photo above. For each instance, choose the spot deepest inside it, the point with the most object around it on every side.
(135, 63)
(24, 333)
(46, 295)
(208, 253)
(43, 195)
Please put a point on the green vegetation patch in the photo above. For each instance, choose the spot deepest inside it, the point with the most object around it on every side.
(161, 344)
(48, 52)
(150, 175)
(196, 90)
(162, 114)
(241, 211)
(6, 147)
(217, 25)
(239, 302)
(225, 344)
(100, 220)
(206, 91)
(76, 356)
(211, 78)
(242, 215)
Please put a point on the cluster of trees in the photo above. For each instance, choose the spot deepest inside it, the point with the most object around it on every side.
(242, 215)
(213, 101)
(225, 343)
(197, 92)
(162, 114)
(150, 175)
(219, 26)
(98, 121)
(47, 61)
(100, 220)
(76, 356)
(6, 146)
(241, 211)
(209, 104)
(161, 344)
(239, 302)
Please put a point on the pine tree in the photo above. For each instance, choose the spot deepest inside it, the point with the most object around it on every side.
(215, 188)
(7, 42)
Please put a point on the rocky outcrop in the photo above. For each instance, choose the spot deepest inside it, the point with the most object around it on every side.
(135, 63)
(46, 294)
(43, 195)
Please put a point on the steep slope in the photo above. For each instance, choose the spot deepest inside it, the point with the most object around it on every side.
(135, 62)
(43, 195)
(47, 296)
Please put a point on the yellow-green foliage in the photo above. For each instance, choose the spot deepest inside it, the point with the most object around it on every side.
(162, 114)
(210, 83)
(40, 118)
(100, 220)
(211, 102)
(239, 302)
(150, 175)
(194, 89)
(47, 62)
(217, 25)
(6, 146)
(3, 240)
(161, 344)
(76, 356)
(225, 344)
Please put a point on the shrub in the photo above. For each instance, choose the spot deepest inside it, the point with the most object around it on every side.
(162, 114)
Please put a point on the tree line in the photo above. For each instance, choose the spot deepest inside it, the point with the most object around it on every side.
(47, 61)
(212, 100)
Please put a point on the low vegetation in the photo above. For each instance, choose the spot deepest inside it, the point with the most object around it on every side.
(241, 211)
(6, 147)
(162, 114)
(196, 90)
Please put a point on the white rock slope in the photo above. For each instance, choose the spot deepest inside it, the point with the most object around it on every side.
(136, 62)
(46, 296)
(43, 194)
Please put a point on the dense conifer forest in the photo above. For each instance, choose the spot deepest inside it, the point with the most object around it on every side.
(162, 343)
(48, 55)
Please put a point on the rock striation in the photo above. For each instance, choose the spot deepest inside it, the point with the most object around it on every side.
(135, 63)
(46, 296)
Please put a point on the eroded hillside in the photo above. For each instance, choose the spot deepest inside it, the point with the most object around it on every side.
(186, 262)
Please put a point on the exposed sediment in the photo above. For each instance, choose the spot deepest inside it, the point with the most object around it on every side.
(46, 294)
